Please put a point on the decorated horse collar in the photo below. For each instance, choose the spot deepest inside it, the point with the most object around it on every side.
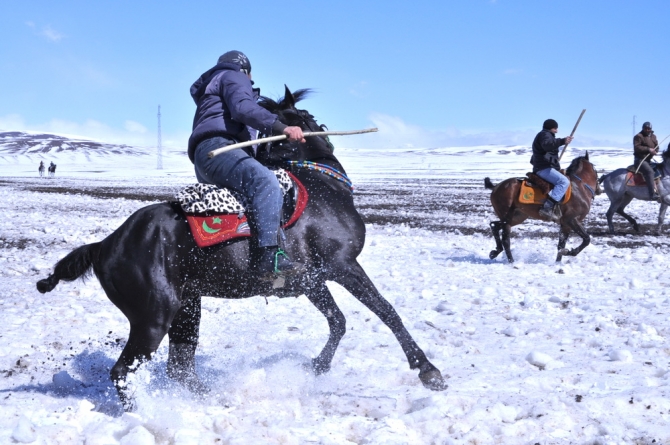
(325, 169)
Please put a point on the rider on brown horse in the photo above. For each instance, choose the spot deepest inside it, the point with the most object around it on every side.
(546, 166)
(227, 113)
(645, 147)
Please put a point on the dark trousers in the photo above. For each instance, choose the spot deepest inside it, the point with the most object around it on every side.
(647, 172)
(239, 171)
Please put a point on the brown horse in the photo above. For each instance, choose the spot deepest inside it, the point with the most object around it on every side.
(505, 201)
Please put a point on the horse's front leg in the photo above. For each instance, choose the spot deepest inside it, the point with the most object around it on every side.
(320, 296)
(661, 217)
(506, 232)
(563, 236)
(577, 227)
(355, 280)
(183, 336)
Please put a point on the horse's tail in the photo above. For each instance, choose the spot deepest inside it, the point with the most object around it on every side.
(602, 178)
(488, 184)
(76, 264)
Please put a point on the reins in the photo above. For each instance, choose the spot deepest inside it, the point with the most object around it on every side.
(588, 187)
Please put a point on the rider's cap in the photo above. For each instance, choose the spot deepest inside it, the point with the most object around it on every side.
(549, 124)
(646, 125)
(237, 57)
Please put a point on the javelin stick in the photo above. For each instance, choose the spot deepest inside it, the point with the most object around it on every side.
(226, 148)
(573, 133)
(645, 158)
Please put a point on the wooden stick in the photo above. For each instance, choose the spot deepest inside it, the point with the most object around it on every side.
(226, 148)
(572, 134)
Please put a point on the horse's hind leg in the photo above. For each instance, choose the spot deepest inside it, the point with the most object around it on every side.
(562, 240)
(183, 334)
(496, 227)
(321, 298)
(356, 281)
(143, 341)
(618, 207)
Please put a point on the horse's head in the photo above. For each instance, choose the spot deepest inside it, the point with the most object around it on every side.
(316, 147)
(586, 171)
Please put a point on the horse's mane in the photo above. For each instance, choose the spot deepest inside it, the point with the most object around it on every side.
(279, 105)
(574, 165)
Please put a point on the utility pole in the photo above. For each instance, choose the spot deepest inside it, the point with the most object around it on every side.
(634, 126)
(159, 148)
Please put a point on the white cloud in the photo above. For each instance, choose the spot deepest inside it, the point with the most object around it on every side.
(30, 24)
(133, 133)
(395, 133)
(135, 127)
(51, 34)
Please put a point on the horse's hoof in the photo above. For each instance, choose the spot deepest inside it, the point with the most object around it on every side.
(318, 368)
(195, 385)
(493, 254)
(563, 252)
(432, 379)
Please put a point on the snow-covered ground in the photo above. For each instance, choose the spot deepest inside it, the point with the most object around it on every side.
(536, 352)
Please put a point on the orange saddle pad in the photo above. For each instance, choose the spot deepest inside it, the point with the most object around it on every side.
(530, 194)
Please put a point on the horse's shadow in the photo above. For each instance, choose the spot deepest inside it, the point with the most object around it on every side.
(93, 382)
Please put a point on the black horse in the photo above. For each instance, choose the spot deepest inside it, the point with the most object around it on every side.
(152, 270)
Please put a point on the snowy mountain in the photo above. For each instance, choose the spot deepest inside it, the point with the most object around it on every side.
(20, 143)
(21, 152)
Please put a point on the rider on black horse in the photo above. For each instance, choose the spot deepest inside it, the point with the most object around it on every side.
(546, 166)
(645, 146)
(227, 112)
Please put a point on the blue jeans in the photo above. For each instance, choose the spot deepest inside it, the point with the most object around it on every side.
(239, 171)
(560, 182)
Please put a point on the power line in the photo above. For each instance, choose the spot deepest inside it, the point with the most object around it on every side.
(159, 148)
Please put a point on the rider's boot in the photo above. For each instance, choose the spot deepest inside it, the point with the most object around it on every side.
(653, 195)
(550, 210)
(273, 262)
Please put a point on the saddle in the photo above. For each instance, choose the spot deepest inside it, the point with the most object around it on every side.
(637, 179)
(534, 190)
(216, 215)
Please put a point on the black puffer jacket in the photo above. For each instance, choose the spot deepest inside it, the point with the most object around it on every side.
(545, 151)
(226, 106)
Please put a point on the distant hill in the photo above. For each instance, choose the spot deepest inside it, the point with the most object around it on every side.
(19, 143)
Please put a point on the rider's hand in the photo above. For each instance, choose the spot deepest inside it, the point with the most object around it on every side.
(653, 151)
(294, 134)
(568, 139)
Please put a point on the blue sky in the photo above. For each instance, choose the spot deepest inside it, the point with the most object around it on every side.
(428, 73)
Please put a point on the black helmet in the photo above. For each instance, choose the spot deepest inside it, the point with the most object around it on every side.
(646, 125)
(237, 57)
(549, 124)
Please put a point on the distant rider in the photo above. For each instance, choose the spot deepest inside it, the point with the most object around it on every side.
(227, 112)
(546, 166)
(645, 147)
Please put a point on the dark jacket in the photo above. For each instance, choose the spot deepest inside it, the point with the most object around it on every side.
(545, 151)
(226, 105)
(642, 144)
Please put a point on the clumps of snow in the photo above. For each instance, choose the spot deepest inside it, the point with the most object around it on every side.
(543, 361)
(621, 355)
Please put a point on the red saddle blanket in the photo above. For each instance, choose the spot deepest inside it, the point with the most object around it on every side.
(216, 228)
(635, 179)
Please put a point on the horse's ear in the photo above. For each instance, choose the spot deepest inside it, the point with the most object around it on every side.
(586, 156)
(289, 100)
